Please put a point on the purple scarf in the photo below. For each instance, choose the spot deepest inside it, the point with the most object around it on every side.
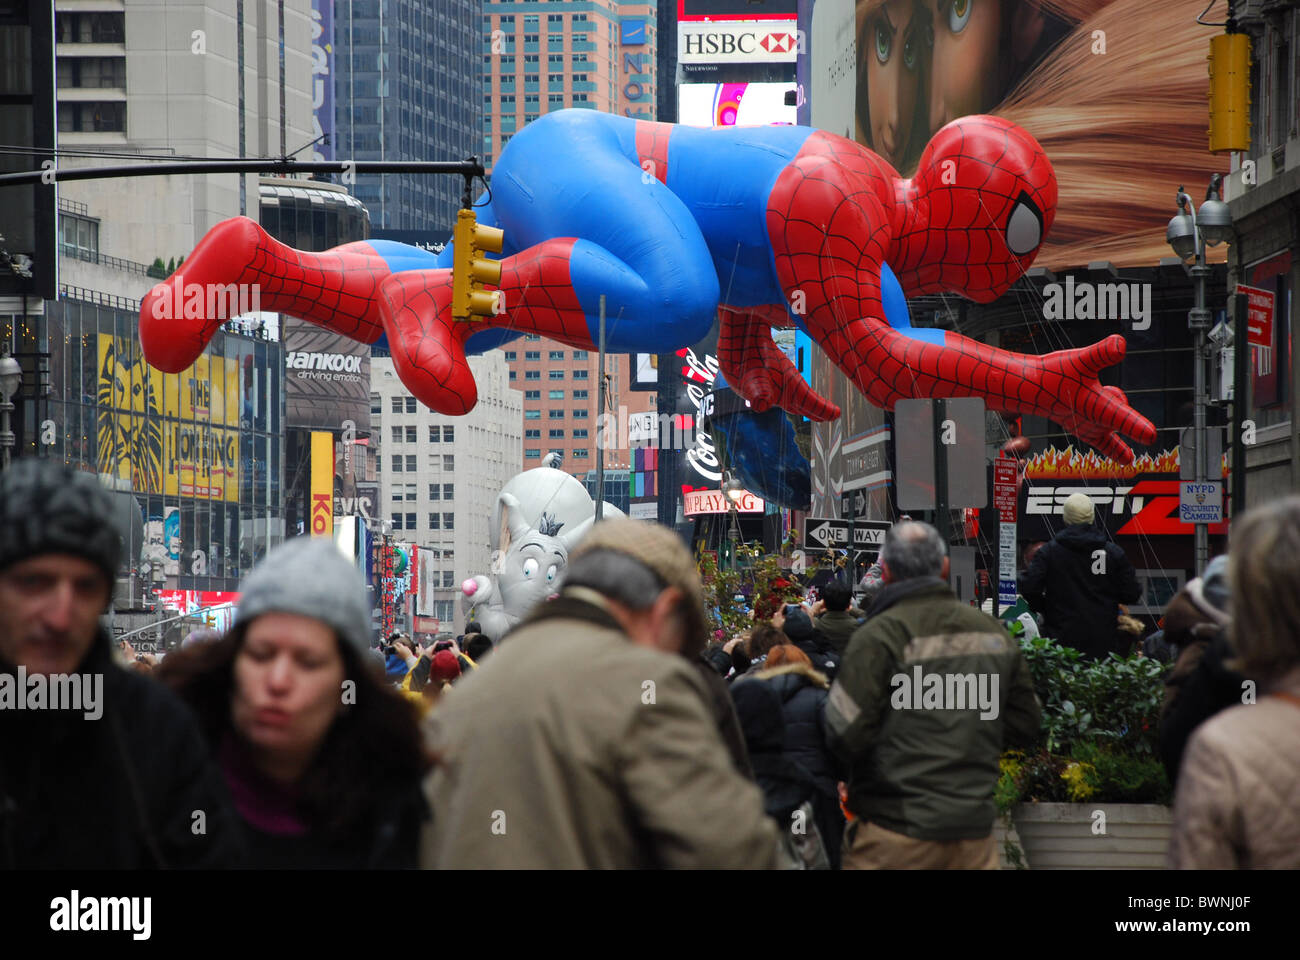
(264, 804)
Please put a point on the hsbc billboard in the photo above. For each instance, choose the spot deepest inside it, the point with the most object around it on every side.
(768, 41)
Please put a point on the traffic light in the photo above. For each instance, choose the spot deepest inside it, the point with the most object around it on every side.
(471, 270)
(1229, 92)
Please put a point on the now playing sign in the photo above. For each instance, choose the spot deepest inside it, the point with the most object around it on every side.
(1200, 502)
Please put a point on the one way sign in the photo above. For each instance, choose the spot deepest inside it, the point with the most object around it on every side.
(822, 533)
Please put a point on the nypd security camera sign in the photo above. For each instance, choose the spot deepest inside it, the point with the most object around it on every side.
(1200, 502)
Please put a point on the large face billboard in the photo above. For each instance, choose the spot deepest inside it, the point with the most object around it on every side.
(1092, 80)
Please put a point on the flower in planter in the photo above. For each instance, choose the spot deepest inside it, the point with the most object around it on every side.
(1079, 776)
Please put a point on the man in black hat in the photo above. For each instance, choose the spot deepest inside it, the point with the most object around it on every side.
(99, 767)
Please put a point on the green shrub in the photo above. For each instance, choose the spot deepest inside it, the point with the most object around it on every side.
(1098, 737)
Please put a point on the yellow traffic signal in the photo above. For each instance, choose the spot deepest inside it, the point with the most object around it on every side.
(1229, 92)
(471, 270)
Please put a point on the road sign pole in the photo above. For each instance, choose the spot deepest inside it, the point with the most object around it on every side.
(943, 520)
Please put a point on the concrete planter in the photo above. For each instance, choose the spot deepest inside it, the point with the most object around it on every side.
(1060, 836)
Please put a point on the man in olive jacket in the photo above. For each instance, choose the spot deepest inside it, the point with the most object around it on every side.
(587, 739)
(930, 692)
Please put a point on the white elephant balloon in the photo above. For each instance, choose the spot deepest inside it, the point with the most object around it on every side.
(540, 515)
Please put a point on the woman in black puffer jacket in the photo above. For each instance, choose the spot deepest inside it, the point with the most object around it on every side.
(803, 691)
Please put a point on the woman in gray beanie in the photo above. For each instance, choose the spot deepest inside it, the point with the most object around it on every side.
(324, 762)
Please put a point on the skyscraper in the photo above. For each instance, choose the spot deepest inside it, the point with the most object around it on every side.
(406, 87)
(598, 56)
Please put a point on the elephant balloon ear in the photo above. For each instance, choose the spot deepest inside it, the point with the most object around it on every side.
(573, 537)
(512, 517)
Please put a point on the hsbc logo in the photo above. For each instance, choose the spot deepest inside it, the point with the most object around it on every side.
(778, 43)
(714, 42)
(335, 362)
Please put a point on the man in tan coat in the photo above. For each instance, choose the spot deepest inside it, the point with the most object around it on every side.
(586, 740)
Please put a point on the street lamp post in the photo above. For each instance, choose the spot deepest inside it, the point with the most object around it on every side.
(11, 377)
(1189, 234)
(733, 490)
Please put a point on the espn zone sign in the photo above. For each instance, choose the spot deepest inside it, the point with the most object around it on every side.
(1150, 505)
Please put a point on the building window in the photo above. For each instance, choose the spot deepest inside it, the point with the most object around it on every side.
(448, 462)
(433, 434)
(532, 336)
(512, 375)
(532, 354)
(434, 490)
(433, 521)
(532, 394)
(580, 433)
(555, 414)
(555, 99)
(397, 492)
(410, 492)
(448, 491)
(410, 434)
(90, 27)
(557, 434)
(555, 394)
(449, 521)
(410, 404)
(532, 374)
(448, 434)
(87, 116)
(397, 434)
(532, 414)
(410, 521)
(532, 434)
(376, 405)
(397, 521)
(580, 414)
(580, 453)
(557, 355)
(410, 463)
(532, 454)
(448, 577)
(579, 354)
(397, 463)
(557, 374)
(510, 356)
(397, 404)
(580, 374)
(579, 394)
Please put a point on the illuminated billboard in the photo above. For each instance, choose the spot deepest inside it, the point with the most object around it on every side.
(734, 104)
(174, 434)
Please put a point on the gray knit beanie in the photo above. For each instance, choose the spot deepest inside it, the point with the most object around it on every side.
(47, 507)
(309, 576)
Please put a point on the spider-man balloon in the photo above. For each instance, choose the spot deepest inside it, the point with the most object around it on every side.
(678, 225)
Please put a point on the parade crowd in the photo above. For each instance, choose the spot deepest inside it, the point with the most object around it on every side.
(609, 729)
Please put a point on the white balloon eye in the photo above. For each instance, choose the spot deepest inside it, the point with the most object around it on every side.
(1024, 227)
(531, 567)
(550, 574)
